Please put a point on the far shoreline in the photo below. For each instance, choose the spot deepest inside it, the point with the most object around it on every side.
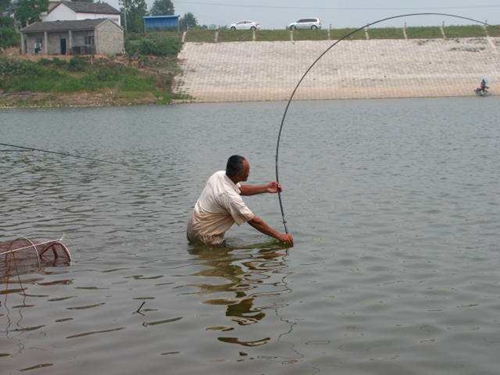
(231, 72)
(194, 101)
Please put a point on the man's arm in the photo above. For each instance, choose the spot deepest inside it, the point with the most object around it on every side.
(272, 187)
(262, 227)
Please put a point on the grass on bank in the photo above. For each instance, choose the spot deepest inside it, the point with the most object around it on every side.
(386, 33)
(340, 33)
(144, 74)
(273, 35)
(472, 31)
(200, 36)
(310, 34)
(494, 31)
(79, 74)
(432, 32)
(424, 32)
(157, 44)
(235, 35)
(60, 76)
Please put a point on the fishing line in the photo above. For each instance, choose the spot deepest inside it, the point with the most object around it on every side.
(60, 153)
(321, 56)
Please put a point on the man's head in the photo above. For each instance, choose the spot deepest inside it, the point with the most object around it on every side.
(237, 168)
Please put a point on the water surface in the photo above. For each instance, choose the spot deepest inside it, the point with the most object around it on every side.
(394, 206)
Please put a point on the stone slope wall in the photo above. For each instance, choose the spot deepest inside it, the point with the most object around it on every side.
(263, 71)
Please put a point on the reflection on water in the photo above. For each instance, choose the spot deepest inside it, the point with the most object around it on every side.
(14, 287)
(248, 282)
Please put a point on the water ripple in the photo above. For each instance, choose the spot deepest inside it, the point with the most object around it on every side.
(394, 206)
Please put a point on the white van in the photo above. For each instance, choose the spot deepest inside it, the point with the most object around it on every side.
(306, 23)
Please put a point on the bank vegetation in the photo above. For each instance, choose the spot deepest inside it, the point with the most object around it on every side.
(144, 75)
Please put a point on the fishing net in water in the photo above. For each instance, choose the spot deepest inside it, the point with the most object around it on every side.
(23, 253)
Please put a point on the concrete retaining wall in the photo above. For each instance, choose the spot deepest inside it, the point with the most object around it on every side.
(109, 38)
(263, 71)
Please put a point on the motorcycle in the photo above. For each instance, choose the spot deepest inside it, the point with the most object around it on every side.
(481, 91)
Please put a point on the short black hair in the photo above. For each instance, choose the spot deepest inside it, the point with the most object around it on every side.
(234, 165)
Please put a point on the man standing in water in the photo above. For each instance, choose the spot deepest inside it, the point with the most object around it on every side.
(220, 206)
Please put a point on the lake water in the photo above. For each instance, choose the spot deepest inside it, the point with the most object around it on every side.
(394, 206)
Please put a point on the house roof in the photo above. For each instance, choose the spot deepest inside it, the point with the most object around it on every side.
(64, 25)
(83, 7)
(164, 17)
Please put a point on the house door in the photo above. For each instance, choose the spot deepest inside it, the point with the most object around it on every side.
(63, 46)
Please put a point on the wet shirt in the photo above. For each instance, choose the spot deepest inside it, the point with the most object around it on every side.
(220, 206)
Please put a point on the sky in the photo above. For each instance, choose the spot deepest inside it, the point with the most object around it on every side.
(277, 14)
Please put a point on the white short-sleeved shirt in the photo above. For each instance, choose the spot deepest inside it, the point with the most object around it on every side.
(219, 206)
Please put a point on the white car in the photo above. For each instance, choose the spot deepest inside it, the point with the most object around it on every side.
(244, 25)
(306, 23)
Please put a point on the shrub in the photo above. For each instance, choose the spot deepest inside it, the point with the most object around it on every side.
(494, 30)
(55, 62)
(58, 62)
(8, 35)
(106, 73)
(134, 36)
(200, 36)
(156, 45)
(235, 35)
(21, 75)
(11, 68)
(76, 64)
(44, 62)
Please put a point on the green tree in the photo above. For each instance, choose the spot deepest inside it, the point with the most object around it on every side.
(162, 8)
(134, 11)
(4, 4)
(8, 35)
(28, 11)
(188, 21)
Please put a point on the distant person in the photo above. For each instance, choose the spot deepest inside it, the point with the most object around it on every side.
(220, 206)
(483, 85)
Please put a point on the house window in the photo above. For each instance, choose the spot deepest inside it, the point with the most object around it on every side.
(89, 40)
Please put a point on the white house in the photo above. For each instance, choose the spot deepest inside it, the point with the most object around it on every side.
(76, 11)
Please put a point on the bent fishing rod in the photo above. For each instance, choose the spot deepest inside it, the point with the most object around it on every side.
(24, 148)
(321, 56)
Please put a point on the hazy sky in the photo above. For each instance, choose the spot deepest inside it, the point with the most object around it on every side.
(276, 14)
(340, 13)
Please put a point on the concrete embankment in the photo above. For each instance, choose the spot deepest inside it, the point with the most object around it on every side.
(264, 71)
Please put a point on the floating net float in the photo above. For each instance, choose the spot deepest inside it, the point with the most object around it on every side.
(23, 252)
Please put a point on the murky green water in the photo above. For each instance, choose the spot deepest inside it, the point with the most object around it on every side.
(394, 206)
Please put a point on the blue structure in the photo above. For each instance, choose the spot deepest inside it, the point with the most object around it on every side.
(156, 23)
